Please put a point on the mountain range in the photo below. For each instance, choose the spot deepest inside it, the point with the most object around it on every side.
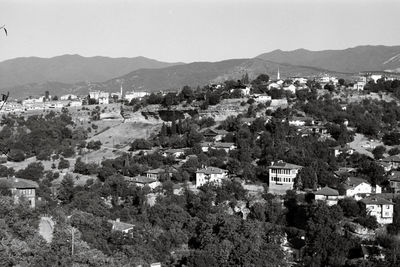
(70, 69)
(351, 60)
(77, 74)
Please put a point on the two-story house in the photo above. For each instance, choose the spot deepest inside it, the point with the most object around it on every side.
(394, 181)
(210, 175)
(214, 134)
(155, 173)
(358, 188)
(381, 208)
(281, 176)
(21, 189)
(392, 162)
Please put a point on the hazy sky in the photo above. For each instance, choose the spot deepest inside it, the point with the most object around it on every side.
(184, 30)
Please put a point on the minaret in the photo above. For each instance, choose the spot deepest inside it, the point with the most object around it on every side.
(121, 91)
(278, 75)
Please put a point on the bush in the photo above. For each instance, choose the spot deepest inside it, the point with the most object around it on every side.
(16, 155)
(95, 145)
(368, 221)
(68, 152)
(63, 164)
(140, 144)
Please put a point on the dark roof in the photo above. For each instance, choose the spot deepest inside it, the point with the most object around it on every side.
(374, 200)
(352, 182)
(156, 171)
(294, 118)
(327, 191)
(223, 145)
(140, 179)
(395, 176)
(284, 165)
(394, 158)
(211, 170)
(214, 132)
(19, 183)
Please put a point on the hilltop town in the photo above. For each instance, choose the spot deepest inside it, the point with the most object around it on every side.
(274, 171)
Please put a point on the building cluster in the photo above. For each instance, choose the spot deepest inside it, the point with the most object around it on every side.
(69, 100)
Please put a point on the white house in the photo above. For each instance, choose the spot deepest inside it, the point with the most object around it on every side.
(290, 88)
(375, 77)
(327, 194)
(205, 146)
(394, 180)
(281, 176)
(75, 104)
(210, 175)
(345, 149)
(142, 181)
(359, 86)
(358, 188)
(68, 97)
(245, 91)
(119, 226)
(301, 121)
(300, 80)
(131, 95)
(262, 98)
(21, 189)
(273, 86)
(381, 208)
(393, 162)
(98, 94)
(174, 152)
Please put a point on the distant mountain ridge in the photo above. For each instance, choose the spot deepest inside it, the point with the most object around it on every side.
(351, 60)
(70, 69)
(151, 75)
(175, 77)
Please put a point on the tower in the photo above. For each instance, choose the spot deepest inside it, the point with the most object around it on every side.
(121, 91)
(278, 75)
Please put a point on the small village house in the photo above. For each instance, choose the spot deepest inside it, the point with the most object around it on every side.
(119, 226)
(329, 195)
(381, 208)
(212, 175)
(282, 176)
(214, 134)
(21, 189)
(358, 188)
(392, 162)
(143, 181)
(394, 181)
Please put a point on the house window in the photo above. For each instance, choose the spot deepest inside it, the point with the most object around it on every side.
(387, 207)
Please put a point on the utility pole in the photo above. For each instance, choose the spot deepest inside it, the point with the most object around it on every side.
(72, 240)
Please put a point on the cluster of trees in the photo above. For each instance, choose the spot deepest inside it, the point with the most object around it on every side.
(39, 135)
(369, 117)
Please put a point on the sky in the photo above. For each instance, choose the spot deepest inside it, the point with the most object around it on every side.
(192, 30)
